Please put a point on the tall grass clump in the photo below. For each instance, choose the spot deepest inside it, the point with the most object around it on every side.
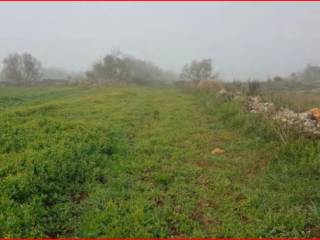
(299, 101)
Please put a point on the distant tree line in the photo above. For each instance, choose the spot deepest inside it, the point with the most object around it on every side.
(116, 67)
(311, 73)
(24, 69)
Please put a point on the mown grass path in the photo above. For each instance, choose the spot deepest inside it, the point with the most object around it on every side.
(137, 162)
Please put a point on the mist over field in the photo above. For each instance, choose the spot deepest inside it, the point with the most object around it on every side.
(159, 120)
(243, 39)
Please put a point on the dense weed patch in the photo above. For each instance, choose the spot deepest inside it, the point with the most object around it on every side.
(51, 174)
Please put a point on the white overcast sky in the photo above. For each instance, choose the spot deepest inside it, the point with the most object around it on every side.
(244, 39)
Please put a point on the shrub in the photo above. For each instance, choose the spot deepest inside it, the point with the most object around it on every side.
(209, 85)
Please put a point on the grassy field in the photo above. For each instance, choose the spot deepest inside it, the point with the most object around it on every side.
(136, 162)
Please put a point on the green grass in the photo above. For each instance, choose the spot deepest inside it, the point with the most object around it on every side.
(136, 162)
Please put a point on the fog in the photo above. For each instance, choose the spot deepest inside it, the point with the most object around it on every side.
(243, 39)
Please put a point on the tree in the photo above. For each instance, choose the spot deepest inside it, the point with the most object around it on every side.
(118, 67)
(113, 67)
(198, 70)
(311, 73)
(21, 69)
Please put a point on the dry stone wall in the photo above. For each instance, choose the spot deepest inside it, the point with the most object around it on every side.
(307, 122)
